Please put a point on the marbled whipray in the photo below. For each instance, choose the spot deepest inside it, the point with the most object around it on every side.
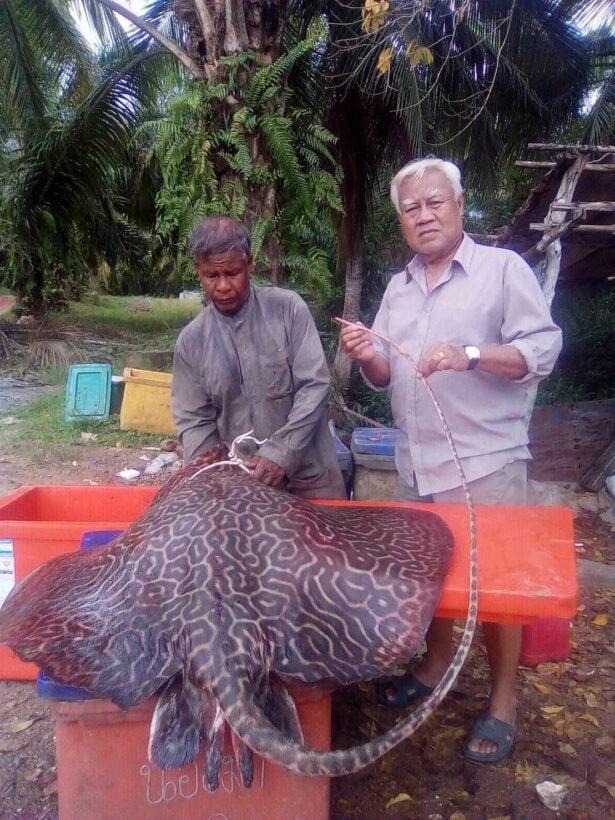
(222, 593)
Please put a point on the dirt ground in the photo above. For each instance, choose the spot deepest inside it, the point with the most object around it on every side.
(566, 714)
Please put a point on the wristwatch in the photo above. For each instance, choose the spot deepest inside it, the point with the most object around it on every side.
(473, 354)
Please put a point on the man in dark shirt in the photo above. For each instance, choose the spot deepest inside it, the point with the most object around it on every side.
(252, 360)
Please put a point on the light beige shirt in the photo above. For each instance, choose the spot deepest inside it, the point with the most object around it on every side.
(487, 296)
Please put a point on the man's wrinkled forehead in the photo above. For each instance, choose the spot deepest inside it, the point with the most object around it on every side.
(433, 184)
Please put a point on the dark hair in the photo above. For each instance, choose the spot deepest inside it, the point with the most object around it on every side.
(219, 234)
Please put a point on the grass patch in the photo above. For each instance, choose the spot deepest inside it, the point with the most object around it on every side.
(107, 329)
(42, 425)
(133, 316)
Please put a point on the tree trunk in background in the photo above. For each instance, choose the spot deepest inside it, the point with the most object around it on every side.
(227, 27)
(351, 152)
(342, 365)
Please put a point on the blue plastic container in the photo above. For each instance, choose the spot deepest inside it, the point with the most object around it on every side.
(374, 441)
(88, 392)
(117, 394)
(97, 538)
(344, 456)
(47, 688)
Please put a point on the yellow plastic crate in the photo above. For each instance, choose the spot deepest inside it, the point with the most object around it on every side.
(146, 405)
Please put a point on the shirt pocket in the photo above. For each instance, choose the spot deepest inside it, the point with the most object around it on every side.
(463, 326)
(278, 378)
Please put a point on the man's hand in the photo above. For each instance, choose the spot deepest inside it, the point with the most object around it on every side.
(498, 360)
(443, 356)
(266, 471)
(357, 343)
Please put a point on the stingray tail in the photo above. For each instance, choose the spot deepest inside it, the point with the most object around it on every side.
(250, 723)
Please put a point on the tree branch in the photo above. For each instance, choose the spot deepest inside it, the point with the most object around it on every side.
(193, 67)
(208, 30)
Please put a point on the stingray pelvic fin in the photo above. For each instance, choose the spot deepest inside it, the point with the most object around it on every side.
(175, 731)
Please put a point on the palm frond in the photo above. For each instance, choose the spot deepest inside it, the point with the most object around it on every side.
(24, 97)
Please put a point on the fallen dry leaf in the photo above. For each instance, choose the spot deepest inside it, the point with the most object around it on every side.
(13, 726)
(567, 749)
(574, 732)
(582, 674)
(402, 797)
(12, 744)
(590, 719)
(526, 773)
(546, 690)
(601, 620)
(610, 789)
(551, 710)
(591, 700)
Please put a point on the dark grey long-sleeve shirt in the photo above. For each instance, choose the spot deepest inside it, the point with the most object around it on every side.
(262, 369)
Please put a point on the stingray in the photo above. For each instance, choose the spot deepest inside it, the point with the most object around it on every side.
(223, 593)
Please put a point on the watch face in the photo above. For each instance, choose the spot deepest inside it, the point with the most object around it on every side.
(473, 354)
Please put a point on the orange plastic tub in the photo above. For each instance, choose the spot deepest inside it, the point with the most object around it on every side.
(527, 564)
(44, 521)
(103, 770)
(545, 641)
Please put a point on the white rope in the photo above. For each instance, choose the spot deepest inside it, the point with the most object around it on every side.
(234, 459)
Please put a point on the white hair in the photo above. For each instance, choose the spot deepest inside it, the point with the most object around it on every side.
(417, 168)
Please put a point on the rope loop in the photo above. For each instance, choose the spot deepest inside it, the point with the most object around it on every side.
(234, 458)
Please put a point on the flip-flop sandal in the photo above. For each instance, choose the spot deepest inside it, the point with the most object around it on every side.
(398, 692)
(497, 731)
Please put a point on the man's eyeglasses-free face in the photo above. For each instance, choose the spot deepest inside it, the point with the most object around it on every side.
(412, 210)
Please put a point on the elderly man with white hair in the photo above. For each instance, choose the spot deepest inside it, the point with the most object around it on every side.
(475, 320)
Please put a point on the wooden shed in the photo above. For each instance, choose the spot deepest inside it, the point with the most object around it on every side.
(568, 223)
(569, 216)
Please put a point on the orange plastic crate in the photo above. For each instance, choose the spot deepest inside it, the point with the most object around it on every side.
(103, 770)
(47, 520)
(527, 564)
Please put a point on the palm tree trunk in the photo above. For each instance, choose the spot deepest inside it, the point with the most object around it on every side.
(342, 365)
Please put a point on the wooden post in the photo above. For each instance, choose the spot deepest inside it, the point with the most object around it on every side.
(593, 479)
(555, 218)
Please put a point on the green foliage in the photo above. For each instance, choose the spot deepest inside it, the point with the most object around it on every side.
(65, 130)
(585, 370)
(243, 146)
(489, 208)
(372, 404)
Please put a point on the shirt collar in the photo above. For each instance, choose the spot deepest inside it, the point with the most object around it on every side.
(463, 258)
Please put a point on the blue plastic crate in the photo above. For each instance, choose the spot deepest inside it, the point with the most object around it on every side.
(344, 456)
(374, 441)
(88, 392)
(47, 688)
(97, 538)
